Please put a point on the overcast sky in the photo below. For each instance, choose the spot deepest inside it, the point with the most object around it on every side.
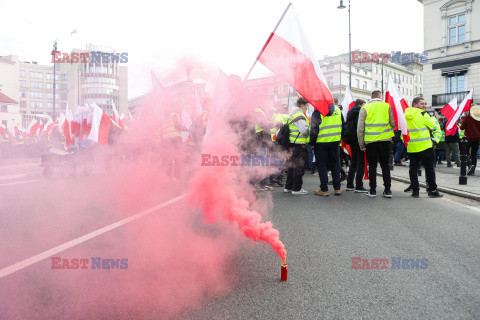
(222, 33)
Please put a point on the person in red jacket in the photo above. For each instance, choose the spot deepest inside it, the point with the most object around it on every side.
(471, 125)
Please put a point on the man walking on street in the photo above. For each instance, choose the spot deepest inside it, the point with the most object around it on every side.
(420, 146)
(375, 131)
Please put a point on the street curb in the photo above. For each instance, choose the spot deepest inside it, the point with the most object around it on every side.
(454, 192)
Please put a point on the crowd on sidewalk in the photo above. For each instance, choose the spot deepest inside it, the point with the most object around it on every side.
(368, 138)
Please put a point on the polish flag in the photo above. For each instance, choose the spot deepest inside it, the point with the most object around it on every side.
(2, 129)
(449, 112)
(66, 130)
(116, 117)
(398, 104)
(49, 126)
(100, 126)
(122, 121)
(40, 130)
(347, 103)
(11, 130)
(288, 54)
(463, 107)
(33, 127)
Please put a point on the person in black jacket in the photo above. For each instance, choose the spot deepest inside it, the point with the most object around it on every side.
(357, 165)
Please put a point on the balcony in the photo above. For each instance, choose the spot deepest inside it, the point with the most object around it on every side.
(444, 98)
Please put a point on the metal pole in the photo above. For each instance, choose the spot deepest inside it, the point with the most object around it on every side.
(382, 78)
(349, 45)
(54, 75)
(463, 162)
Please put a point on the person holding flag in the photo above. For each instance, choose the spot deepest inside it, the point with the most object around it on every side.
(471, 125)
(420, 146)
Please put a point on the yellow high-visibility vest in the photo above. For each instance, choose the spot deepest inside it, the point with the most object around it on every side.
(330, 130)
(377, 124)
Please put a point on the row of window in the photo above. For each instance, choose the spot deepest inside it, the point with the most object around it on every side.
(39, 85)
(40, 105)
(100, 80)
(39, 75)
(106, 91)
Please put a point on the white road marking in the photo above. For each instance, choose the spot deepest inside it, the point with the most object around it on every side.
(464, 205)
(19, 182)
(44, 255)
(13, 176)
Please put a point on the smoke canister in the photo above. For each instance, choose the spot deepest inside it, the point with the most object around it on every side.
(284, 274)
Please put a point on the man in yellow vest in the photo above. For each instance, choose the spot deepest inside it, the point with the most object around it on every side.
(299, 136)
(325, 136)
(375, 131)
(420, 146)
(173, 151)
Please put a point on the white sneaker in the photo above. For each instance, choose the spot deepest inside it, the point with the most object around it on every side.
(287, 190)
(301, 192)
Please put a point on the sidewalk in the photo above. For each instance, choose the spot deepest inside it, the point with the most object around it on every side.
(19, 161)
(447, 180)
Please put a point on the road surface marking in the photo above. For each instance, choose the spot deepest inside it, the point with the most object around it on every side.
(19, 182)
(13, 176)
(44, 255)
(464, 205)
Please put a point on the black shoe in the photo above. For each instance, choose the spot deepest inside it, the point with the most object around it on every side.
(409, 189)
(415, 194)
(471, 171)
(387, 194)
(435, 194)
(449, 165)
(371, 193)
(352, 188)
(361, 190)
(440, 162)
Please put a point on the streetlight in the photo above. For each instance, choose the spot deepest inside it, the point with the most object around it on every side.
(341, 6)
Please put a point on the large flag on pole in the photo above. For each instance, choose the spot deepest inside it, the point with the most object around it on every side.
(398, 105)
(347, 103)
(220, 99)
(463, 107)
(116, 116)
(288, 54)
(33, 127)
(449, 112)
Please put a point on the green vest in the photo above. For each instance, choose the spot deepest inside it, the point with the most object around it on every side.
(377, 124)
(419, 126)
(257, 127)
(295, 135)
(277, 118)
(461, 134)
(330, 130)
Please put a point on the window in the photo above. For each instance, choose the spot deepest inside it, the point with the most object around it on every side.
(356, 70)
(49, 105)
(23, 94)
(50, 95)
(50, 86)
(23, 84)
(330, 67)
(357, 82)
(36, 105)
(416, 90)
(23, 104)
(456, 29)
(37, 95)
(63, 77)
(36, 75)
(4, 108)
(364, 85)
(365, 72)
(330, 81)
(376, 83)
(22, 73)
(455, 84)
(50, 76)
(403, 78)
(410, 91)
(376, 69)
(36, 85)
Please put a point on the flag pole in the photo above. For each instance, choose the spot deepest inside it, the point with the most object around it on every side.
(266, 43)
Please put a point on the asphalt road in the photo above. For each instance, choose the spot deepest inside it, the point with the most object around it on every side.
(321, 236)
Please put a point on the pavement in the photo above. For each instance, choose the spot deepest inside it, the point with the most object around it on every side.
(321, 235)
(447, 180)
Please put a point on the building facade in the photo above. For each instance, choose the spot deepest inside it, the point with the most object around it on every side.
(370, 76)
(32, 85)
(452, 42)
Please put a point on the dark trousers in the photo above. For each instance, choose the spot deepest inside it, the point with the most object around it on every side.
(327, 154)
(357, 168)
(427, 157)
(399, 151)
(473, 148)
(296, 167)
(379, 152)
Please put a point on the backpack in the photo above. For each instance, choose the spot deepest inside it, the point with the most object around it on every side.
(283, 135)
(350, 131)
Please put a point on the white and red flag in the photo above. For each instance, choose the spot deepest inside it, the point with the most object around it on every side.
(2, 129)
(116, 117)
(347, 103)
(398, 105)
(449, 112)
(100, 126)
(288, 54)
(49, 126)
(123, 121)
(33, 127)
(463, 107)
